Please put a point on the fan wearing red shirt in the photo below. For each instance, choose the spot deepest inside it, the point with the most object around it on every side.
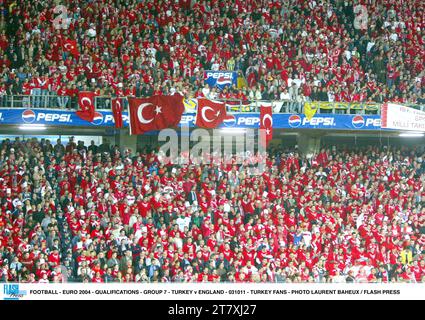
(54, 258)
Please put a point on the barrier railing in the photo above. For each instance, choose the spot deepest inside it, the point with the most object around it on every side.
(52, 101)
(47, 101)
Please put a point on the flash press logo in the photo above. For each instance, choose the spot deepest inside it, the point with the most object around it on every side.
(12, 292)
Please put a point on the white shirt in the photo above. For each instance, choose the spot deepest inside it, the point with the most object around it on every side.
(151, 51)
(285, 96)
(370, 44)
(394, 37)
(347, 54)
(213, 95)
(206, 91)
(215, 66)
(178, 242)
(131, 200)
(258, 95)
(132, 221)
(183, 222)
(331, 96)
(307, 238)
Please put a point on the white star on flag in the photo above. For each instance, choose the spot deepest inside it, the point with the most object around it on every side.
(158, 110)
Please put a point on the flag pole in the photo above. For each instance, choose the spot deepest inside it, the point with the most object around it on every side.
(129, 117)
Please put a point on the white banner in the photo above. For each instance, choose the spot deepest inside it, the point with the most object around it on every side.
(394, 116)
(211, 291)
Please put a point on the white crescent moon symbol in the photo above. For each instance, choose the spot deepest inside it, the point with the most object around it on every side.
(67, 45)
(203, 114)
(268, 116)
(140, 113)
(118, 104)
(85, 99)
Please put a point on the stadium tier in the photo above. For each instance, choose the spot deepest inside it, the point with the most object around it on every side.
(72, 213)
(337, 51)
(334, 202)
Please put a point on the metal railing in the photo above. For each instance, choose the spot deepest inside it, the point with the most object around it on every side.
(52, 101)
(44, 101)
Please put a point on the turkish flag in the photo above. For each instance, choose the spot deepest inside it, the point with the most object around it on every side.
(266, 122)
(210, 114)
(86, 103)
(154, 113)
(71, 47)
(116, 104)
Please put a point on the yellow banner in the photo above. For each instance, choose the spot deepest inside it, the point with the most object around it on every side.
(190, 105)
(310, 109)
(240, 107)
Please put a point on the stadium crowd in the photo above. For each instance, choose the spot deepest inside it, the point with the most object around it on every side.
(98, 214)
(293, 50)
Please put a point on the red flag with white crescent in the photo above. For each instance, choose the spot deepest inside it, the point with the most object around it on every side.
(86, 104)
(71, 47)
(117, 108)
(154, 113)
(266, 122)
(210, 114)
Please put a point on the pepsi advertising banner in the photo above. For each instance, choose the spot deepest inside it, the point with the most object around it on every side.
(56, 118)
(239, 120)
(299, 121)
(221, 79)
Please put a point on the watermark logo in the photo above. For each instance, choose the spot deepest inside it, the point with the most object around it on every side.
(61, 21)
(13, 292)
(362, 18)
(228, 146)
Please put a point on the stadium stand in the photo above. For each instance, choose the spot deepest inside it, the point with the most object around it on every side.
(72, 213)
(283, 50)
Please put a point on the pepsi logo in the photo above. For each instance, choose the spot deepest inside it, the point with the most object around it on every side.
(358, 122)
(229, 121)
(98, 119)
(223, 81)
(28, 116)
(294, 121)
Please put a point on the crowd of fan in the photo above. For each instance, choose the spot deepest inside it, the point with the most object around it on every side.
(283, 50)
(98, 214)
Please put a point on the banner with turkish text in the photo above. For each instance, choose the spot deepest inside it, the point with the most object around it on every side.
(394, 116)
